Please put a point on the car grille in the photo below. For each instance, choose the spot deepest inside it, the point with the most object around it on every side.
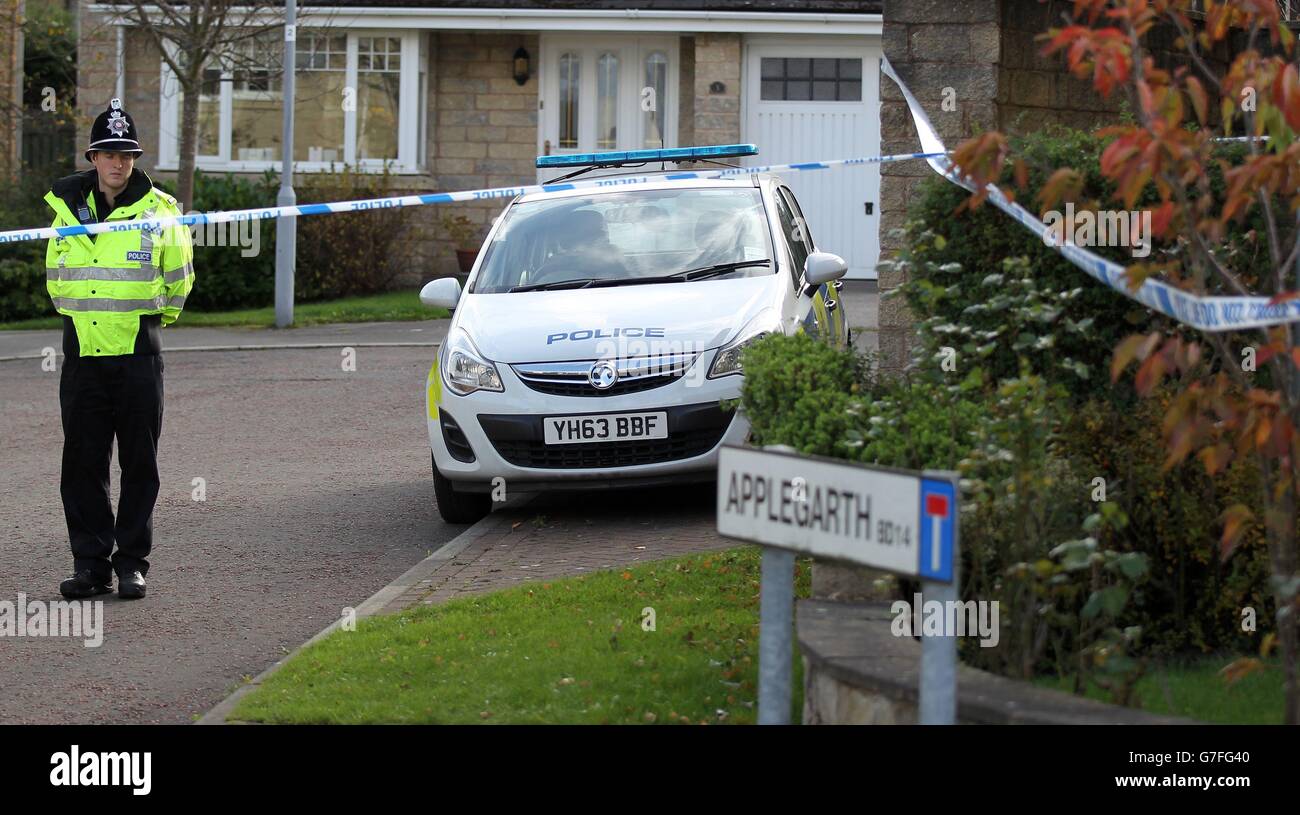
(693, 430)
(634, 375)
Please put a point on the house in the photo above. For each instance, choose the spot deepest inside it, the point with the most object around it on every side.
(466, 94)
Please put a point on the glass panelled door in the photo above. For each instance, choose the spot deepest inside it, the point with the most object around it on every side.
(619, 94)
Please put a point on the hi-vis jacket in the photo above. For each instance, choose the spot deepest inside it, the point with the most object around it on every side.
(105, 283)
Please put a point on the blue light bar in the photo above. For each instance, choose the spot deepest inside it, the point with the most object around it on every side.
(621, 157)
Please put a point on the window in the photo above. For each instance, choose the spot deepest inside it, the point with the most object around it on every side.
(656, 76)
(626, 235)
(356, 101)
(255, 94)
(319, 101)
(379, 78)
(570, 65)
(791, 79)
(607, 101)
(796, 234)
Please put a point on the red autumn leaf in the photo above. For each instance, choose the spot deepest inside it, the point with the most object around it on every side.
(1234, 520)
(1215, 458)
(1149, 374)
(1283, 297)
(1239, 669)
(1286, 95)
(1064, 184)
(1161, 217)
(1124, 354)
(1200, 103)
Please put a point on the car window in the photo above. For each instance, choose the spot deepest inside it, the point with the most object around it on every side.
(809, 245)
(795, 231)
(625, 235)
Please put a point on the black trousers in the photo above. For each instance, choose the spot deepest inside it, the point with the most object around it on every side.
(102, 398)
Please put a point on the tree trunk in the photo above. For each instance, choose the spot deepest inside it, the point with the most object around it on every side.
(1280, 524)
(191, 87)
(1285, 594)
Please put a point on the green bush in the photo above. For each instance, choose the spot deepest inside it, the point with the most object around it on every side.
(958, 273)
(22, 264)
(1193, 601)
(1021, 502)
(354, 253)
(224, 279)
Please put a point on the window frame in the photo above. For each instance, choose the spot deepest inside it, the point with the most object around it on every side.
(410, 153)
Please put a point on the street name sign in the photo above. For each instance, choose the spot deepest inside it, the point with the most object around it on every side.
(895, 520)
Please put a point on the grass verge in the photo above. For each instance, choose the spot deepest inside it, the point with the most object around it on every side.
(1194, 689)
(571, 651)
(387, 307)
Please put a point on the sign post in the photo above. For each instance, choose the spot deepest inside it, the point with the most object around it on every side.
(900, 521)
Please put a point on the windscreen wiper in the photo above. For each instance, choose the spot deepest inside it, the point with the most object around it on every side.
(683, 276)
(676, 277)
(577, 283)
(718, 269)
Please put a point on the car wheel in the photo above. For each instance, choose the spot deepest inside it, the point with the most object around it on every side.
(458, 507)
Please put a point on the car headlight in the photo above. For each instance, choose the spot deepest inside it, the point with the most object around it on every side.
(727, 361)
(464, 369)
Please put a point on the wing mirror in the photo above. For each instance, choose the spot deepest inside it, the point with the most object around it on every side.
(822, 267)
(441, 293)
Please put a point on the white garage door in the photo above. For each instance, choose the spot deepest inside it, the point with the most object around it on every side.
(819, 99)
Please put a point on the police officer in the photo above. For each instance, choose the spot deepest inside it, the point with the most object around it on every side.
(115, 291)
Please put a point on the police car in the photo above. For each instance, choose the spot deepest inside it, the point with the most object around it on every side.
(600, 331)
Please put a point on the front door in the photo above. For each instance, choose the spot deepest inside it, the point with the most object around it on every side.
(819, 99)
(606, 93)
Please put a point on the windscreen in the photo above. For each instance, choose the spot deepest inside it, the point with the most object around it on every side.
(626, 235)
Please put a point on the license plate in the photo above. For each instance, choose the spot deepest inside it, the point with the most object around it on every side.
(606, 427)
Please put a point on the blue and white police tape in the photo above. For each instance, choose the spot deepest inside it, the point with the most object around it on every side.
(198, 218)
(1205, 313)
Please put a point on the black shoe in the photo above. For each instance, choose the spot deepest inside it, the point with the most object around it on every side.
(84, 584)
(130, 585)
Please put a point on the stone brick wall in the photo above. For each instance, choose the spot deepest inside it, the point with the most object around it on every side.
(97, 82)
(11, 97)
(1035, 90)
(483, 125)
(933, 45)
(717, 115)
(686, 93)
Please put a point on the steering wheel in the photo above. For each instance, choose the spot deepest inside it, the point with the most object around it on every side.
(577, 265)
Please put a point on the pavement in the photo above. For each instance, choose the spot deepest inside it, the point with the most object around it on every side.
(179, 337)
(861, 299)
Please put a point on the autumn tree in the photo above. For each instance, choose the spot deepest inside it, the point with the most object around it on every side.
(1235, 75)
(194, 37)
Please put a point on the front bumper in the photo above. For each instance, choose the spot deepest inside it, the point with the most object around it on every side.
(504, 432)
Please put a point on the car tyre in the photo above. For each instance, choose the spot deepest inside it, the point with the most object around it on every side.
(458, 507)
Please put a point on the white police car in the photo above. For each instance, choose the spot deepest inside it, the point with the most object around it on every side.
(601, 328)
